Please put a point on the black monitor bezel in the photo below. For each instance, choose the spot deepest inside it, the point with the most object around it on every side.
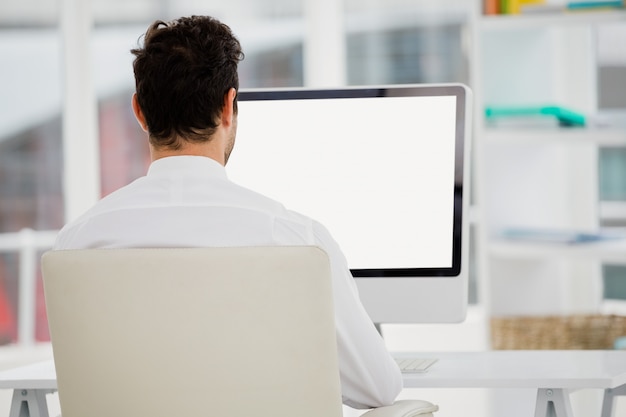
(459, 92)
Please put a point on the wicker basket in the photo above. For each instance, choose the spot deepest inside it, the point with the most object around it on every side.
(557, 332)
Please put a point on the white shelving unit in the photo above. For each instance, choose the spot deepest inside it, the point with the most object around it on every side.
(539, 177)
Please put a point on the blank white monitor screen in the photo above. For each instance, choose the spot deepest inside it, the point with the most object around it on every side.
(381, 167)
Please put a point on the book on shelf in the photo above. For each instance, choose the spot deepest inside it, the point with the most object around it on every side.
(514, 6)
(594, 4)
(491, 7)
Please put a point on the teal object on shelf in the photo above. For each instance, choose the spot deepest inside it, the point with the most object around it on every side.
(564, 116)
(583, 5)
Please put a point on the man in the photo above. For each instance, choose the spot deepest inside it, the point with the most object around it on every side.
(186, 100)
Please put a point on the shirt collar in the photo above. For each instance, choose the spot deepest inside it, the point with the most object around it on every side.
(187, 165)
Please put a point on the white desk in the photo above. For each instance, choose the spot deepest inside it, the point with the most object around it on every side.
(552, 373)
(30, 384)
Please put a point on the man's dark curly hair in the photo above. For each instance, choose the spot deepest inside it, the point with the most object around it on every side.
(182, 74)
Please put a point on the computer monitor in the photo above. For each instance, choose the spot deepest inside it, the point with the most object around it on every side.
(385, 169)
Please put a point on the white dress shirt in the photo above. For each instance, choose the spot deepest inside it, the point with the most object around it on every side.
(188, 201)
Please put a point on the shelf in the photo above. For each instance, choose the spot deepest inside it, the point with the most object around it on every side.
(532, 172)
(612, 137)
(613, 210)
(613, 251)
(545, 20)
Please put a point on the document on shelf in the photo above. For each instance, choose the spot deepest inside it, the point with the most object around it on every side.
(559, 236)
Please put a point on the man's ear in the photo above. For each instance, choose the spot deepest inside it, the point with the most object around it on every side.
(139, 113)
(228, 110)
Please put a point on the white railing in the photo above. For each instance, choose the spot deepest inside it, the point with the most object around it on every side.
(26, 243)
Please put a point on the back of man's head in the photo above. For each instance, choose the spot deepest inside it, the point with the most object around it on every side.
(182, 74)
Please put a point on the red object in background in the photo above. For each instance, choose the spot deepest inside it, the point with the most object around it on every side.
(7, 320)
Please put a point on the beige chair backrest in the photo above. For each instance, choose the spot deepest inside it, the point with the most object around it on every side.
(223, 332)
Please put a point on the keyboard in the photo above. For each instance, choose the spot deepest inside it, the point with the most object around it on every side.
(414, 365)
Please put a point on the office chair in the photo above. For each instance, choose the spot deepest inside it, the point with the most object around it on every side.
(196, 332)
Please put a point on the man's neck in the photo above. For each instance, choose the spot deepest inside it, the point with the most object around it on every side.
(207, 149)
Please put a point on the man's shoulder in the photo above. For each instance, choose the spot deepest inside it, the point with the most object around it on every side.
(116, 200)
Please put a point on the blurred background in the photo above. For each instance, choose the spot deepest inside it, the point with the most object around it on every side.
(68, 136)
(366, 42)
